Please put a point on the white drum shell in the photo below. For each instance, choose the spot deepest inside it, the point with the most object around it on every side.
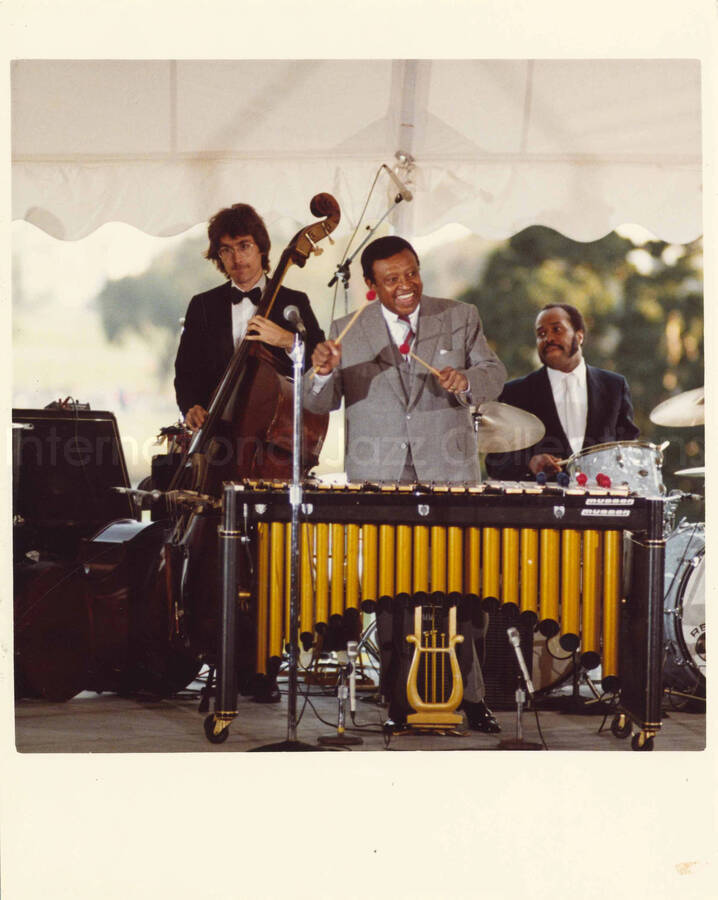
(684, 619)
(632, 464)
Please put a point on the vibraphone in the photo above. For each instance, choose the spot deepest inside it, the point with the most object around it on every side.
(557, 555)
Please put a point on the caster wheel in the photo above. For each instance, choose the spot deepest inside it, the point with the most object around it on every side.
(621, 726)
(641, 742)
(209, 732)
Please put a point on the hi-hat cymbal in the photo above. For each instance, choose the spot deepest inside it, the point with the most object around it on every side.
(698, 472)
(503, 428)
(684, 409)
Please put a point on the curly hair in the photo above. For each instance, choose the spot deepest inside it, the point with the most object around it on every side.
(236, 221)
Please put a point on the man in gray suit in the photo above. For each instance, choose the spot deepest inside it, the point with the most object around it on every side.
(403, 422)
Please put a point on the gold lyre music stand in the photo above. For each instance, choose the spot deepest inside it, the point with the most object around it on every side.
(434, 659)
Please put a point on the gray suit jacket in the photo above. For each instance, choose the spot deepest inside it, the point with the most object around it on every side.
(384, 421)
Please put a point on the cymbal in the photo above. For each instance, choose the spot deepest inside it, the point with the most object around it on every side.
(684, 409)
(698, 472)
(503, 428)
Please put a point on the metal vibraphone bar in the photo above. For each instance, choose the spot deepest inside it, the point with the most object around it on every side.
(557, 555)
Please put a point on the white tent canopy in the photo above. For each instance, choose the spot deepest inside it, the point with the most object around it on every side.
(579, 145)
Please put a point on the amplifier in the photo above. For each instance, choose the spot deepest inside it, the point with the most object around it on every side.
(65, 464)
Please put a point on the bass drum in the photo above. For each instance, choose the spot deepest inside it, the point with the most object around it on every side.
(684, 618)
(552, 665)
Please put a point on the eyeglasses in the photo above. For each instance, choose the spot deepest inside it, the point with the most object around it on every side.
(241, 249)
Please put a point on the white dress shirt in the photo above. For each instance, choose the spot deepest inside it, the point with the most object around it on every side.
(242, 312)
(571, 399)
(398, 329)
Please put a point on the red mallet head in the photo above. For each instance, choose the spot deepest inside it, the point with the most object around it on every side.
(582, 478)
(371, 295)
(603, 480)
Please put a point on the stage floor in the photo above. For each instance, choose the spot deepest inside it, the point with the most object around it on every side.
(108, 723)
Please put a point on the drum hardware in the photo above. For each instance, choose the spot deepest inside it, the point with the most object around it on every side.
(501, 428)
(574, 704)
(670, 508)
(670, 693)
(683, 410)
(518, 743)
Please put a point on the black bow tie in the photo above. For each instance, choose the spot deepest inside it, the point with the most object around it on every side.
(254, 295)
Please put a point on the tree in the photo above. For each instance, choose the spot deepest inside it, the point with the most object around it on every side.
(643, 306)
(151, 304)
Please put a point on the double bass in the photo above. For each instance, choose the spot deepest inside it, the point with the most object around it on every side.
(252, 405)
(164, 575)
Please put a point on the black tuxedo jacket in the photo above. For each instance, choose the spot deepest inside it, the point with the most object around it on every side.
(206, 344)
(610, 418)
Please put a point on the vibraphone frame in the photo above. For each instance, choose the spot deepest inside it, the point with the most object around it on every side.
(494, 504)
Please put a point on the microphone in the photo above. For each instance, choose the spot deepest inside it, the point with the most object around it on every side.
(515, 640)
(352, 653)
(404, 192)
(291, 314)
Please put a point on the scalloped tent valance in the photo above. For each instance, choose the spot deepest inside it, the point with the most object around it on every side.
(578, 145)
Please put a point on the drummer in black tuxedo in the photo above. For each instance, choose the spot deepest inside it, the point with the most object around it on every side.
(579, 405)
(218, 320)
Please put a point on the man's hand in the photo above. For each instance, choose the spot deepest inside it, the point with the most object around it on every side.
(261, 329)
(453, 380)
(195, 416)
(326, 357)
(544, 462)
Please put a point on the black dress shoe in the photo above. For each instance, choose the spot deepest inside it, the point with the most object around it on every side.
(480, 717)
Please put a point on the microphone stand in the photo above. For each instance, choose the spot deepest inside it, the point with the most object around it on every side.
(295, 501)
(347, 669)
(518, 743)
(342, 270)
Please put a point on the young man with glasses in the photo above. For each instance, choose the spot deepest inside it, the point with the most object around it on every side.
(219, 319)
